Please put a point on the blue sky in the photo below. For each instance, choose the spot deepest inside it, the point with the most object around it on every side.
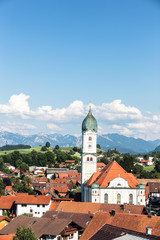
(58, 56)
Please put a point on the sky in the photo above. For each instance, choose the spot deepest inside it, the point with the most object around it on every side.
(59, 56)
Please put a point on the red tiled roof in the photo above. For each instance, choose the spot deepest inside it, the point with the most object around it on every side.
(53, 206)
(132, 222)
(61, 189)
(6, 202)
(31, 199)
(85, 207)
(110, 172)
(7, 237)
(100, 164)
(8, 188)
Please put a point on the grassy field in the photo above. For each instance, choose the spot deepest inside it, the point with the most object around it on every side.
(148, 168)
(37, 149)
(23, 151)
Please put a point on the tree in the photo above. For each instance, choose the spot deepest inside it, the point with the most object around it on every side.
(2, 187)
(25, 234)
(98, 146)
(56, 147)
(44, 148)
(157, 166)
(128, 162)
(48, 144)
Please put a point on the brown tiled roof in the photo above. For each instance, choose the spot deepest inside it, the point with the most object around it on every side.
(31, 199)
(40, 226)
(153, 187)
(110, 172)
(108, 232)
(145, 181)
(88, 207)
(128, 221)
(6, 202)
(80, 219)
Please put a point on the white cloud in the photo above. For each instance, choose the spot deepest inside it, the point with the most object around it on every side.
(17, 105)
(122, 130)
(54, 128)
(117, 110)
(112, 117)
(16, 127)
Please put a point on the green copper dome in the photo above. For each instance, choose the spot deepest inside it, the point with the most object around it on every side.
(94, 185)
(89, 123)
(140, 186)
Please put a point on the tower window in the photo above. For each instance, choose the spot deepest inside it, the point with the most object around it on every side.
(89, 146)
(118, 198)
(87, 158)
(90, 138)
(91, 159)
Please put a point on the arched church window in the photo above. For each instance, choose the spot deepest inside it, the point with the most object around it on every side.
(105, 198)
(90, 138)
(118, 198)
(87, 158)
(91, 159)
(130, 198)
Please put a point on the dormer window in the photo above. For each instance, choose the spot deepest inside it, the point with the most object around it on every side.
(90, 138)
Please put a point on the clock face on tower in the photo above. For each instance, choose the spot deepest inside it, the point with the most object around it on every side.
(89, 146)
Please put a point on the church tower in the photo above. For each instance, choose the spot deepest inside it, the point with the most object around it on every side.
(89, 149)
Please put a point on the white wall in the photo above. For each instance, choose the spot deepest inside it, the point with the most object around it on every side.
(36, 211)
(75, 237)
(97, 195)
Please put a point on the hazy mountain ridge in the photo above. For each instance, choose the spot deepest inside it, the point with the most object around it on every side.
(107, 141)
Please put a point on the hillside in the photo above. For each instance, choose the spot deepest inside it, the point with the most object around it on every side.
(107, 141)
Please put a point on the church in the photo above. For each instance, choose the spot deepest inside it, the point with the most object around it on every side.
(110, 185)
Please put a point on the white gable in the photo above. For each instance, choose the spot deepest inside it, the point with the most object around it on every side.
(118, 183)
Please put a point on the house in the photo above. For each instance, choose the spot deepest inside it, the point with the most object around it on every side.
(111, 232)
(7, 205)
(16, 172)
(100, 166)
(4, 220)
(38, 171)
(92, 208)
(133, 222)
(56, 171)
(34, 205)
(45, 228)
(9, 191)
(9, 166)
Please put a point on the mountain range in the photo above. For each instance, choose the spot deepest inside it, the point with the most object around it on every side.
(107, 141)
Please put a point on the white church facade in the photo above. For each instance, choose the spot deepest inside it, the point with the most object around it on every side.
(110, 185)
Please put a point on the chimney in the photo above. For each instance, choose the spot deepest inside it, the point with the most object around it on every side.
(112, 213)
(148, 231)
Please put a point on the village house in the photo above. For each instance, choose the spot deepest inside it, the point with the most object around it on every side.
(148, 227)
(46, 228)
(36, 205)
(4, 220)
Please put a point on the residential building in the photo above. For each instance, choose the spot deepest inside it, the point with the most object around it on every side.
(36, 206)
